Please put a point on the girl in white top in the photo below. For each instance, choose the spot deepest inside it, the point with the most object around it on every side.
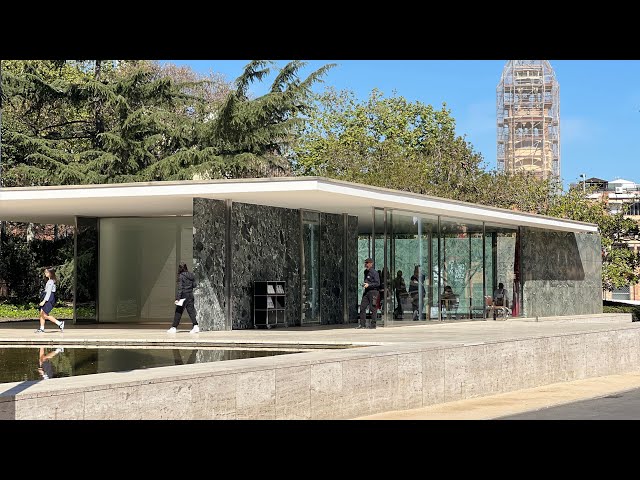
(46, 305)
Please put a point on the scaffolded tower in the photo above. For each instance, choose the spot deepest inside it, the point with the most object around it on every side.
(528, 113)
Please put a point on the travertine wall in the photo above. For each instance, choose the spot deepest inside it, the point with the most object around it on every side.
(329, 385)
(561, 273)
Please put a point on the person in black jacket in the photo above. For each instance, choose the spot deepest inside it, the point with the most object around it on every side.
(186, 284)
(369, 296)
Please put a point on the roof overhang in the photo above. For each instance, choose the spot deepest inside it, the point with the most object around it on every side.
(61, 204)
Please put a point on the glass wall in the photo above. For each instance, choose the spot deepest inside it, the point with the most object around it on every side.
(500, 260)
(310, 266)
(86, 270)
(380, 259)
(461, 288)
(138, 263)
(364, 251)
(413, 261)
(371, 245)
(437, 267)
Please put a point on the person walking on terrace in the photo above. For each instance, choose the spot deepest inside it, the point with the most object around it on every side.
(49, 300)
(185, 299)
(369, 296)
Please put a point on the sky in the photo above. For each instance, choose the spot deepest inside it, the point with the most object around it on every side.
(599, 103)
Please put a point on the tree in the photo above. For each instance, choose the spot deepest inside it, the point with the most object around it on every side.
(107, 121)
(619, 263)
(247, 137)
(393, 143)
(95, 122)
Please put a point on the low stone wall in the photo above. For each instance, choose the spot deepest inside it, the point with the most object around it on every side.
(328, 384)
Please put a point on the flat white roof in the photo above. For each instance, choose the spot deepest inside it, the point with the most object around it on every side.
(60, 204)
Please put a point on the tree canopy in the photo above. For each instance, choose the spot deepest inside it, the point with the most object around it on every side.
(79, 122)
(111, 121)
(391, 142)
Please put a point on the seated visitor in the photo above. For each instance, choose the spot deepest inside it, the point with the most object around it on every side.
(448, 296)
(448, 300)
(500, 300)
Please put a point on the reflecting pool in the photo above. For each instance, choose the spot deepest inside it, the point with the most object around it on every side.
(42, 363)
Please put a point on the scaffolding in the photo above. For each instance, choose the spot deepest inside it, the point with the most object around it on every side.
(528, 119)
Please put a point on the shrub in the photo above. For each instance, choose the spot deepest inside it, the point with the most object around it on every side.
(609, 306)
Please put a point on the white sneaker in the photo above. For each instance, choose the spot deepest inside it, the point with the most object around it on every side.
(61, 326)
(59, 350)
(195, 329)
(172, 330)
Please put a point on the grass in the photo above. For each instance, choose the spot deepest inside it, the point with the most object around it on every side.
(32, 311)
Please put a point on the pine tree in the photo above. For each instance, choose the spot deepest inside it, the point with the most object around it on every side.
(246, 137)
(86, 122)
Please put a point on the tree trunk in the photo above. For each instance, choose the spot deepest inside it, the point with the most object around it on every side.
(31, 232)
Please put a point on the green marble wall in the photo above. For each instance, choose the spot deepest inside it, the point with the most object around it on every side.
(561, 273)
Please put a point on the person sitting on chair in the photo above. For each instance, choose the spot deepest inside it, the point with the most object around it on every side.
(500, 300)
(448, 299)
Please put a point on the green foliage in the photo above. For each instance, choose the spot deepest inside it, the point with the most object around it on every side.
(64, 285)
(31, 311)
(615, 307)
(246, 137)
(100, 121)
(391, 142)
(100, 126)
(620, 264)
(22, 264)
(19, 269)
(388, 142)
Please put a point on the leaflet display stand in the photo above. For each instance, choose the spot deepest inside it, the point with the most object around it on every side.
(269, 303)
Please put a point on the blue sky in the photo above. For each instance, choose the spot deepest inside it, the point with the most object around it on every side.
(599, 103)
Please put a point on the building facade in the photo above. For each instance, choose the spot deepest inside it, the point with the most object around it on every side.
(620, 195)
(311, 235)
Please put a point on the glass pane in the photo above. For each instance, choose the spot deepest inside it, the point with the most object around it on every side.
(622, 293)
(379, 258)
(476, 274)
(364, 252)
(461, 292)
(500, 257)
(86, 269)
(412, 258)
(311, 249)
(138, 264)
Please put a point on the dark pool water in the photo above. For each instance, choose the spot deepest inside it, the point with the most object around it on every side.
(43, 363)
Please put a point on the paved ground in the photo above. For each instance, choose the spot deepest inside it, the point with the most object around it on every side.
(427, 333)
(614, 406)
(535, 401)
